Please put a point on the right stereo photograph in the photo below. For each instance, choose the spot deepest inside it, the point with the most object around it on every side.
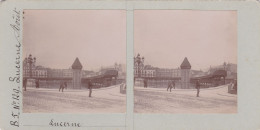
(185, 61)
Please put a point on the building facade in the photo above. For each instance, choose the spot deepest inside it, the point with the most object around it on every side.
(165, 72)
(161, 76)
(59, 73)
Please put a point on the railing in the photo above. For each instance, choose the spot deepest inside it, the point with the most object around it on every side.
(178, 84)
(47, 83)
(56, 83)
(162, 84)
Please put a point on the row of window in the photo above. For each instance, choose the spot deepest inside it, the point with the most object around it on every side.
(158, 73)
(35, 73)
(145, 75)
(143, 71)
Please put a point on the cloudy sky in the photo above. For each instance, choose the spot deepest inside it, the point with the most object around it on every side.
(166, 37)
(57, 37)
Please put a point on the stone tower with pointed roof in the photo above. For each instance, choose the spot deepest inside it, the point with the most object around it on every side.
(76, 75)
(185, 73)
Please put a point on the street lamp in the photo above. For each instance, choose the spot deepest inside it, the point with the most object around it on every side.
(30, 61)
(138, 60)
(225, 64)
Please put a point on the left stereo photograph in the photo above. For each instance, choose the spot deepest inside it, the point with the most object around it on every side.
(74, 61)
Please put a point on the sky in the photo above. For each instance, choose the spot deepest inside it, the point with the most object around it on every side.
(166, 37)
(57, 37)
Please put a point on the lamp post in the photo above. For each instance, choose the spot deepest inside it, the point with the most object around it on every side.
(225, 64)
(138, 60)
(30, 61)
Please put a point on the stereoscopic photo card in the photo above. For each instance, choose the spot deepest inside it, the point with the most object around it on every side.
(129, 65)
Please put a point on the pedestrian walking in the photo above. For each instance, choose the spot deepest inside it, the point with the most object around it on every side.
(235, 85)
(169, 86)
(37, 83)
(61, 86)
(198, 88)
(230, 86)
(24, 83)
(145, 83)
(173, 84)
(90, 85)
(65, 84)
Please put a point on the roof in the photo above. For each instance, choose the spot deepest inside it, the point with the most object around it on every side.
(202, 77)
(107, 74)
(149, 67)
(110, 73)
(185, 64)
(220, 73)
(76, 64)
(40, 67)
(163, 78)
(217, 73)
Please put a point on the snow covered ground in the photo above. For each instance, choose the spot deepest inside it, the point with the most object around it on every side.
(158, 100)
(43, 100)
(147, 100)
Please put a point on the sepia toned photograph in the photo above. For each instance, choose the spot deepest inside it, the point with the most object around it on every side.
(74, 61)
(185, 61)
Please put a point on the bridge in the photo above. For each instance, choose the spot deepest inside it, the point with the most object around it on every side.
(103, 80)
(211, 80)
(214, 79)
(106, 79)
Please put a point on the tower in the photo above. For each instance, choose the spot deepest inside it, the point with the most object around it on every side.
(76, 74)
(185, 73)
